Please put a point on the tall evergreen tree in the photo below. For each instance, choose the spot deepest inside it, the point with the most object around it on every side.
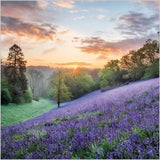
(16, 74)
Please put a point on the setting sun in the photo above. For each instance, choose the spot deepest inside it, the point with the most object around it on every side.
(75, 67)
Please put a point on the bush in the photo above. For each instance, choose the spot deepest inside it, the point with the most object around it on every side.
(51, 93)
(20, 97)
(18, 100)
(5, 94)
(28, 96)
(137, 73)
(17, 95)
(152, 71)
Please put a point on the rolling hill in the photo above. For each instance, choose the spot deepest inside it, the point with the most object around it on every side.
(119, 123)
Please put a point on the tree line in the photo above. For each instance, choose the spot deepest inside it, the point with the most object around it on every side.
(21, 84)
(67, 85)
(136, 65)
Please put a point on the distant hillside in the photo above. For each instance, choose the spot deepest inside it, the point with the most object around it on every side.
(48, 71)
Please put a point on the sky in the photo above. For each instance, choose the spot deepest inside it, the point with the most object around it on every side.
(77, 33)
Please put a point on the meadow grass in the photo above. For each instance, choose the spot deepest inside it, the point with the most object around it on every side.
(13, 113)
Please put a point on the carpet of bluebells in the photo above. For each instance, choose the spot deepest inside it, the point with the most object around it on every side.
(120, 123)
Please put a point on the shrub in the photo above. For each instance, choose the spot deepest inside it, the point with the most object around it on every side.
(152, 71)
(17, 95)
(28, 96)
(20, 97)
(18, 100)
(137, 73)
(5, 95)
(50, 93)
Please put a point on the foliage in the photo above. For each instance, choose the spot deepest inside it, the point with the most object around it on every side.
(28, 96)
(19, 98)
(15, 73)
(65, 95)
(151, 50)
(136, 65)
(61, 92)
(51, 92)
(22, 97)
(106, 77)
(152, 71)
(136, 62)
(94, 75)
(5, 94)
(96, 84)
(75, 83)
(78, 82)
(136, 73)
(111, 74)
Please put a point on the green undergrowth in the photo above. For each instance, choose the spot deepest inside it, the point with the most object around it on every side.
(13, 113)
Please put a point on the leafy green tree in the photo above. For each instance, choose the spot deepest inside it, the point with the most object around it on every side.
(136, 62)
(133, 64)
(136, 65)
(96, 80)
(132, 60)
(120, 76)
(108, 74)
(136, 73)
(61, 92)
(78, 82)
(152, 71)
(151, 50)
(15, 72)
(5, 94)
(125, 62)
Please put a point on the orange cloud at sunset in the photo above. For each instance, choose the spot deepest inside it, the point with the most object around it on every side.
(65, 4)
(19, 28)
(102, 57)
(97, 45)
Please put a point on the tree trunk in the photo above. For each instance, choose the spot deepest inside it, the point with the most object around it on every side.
(58, 97)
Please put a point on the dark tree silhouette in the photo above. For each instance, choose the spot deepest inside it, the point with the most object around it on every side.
(16, 73)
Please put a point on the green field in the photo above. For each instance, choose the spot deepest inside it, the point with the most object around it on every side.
(13, 113)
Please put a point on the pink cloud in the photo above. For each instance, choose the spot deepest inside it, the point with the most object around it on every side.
(154, 3)
(100, 17)
(64, 4)
(19, 28)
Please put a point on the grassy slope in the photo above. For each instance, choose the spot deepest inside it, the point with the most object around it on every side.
(13, 113)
